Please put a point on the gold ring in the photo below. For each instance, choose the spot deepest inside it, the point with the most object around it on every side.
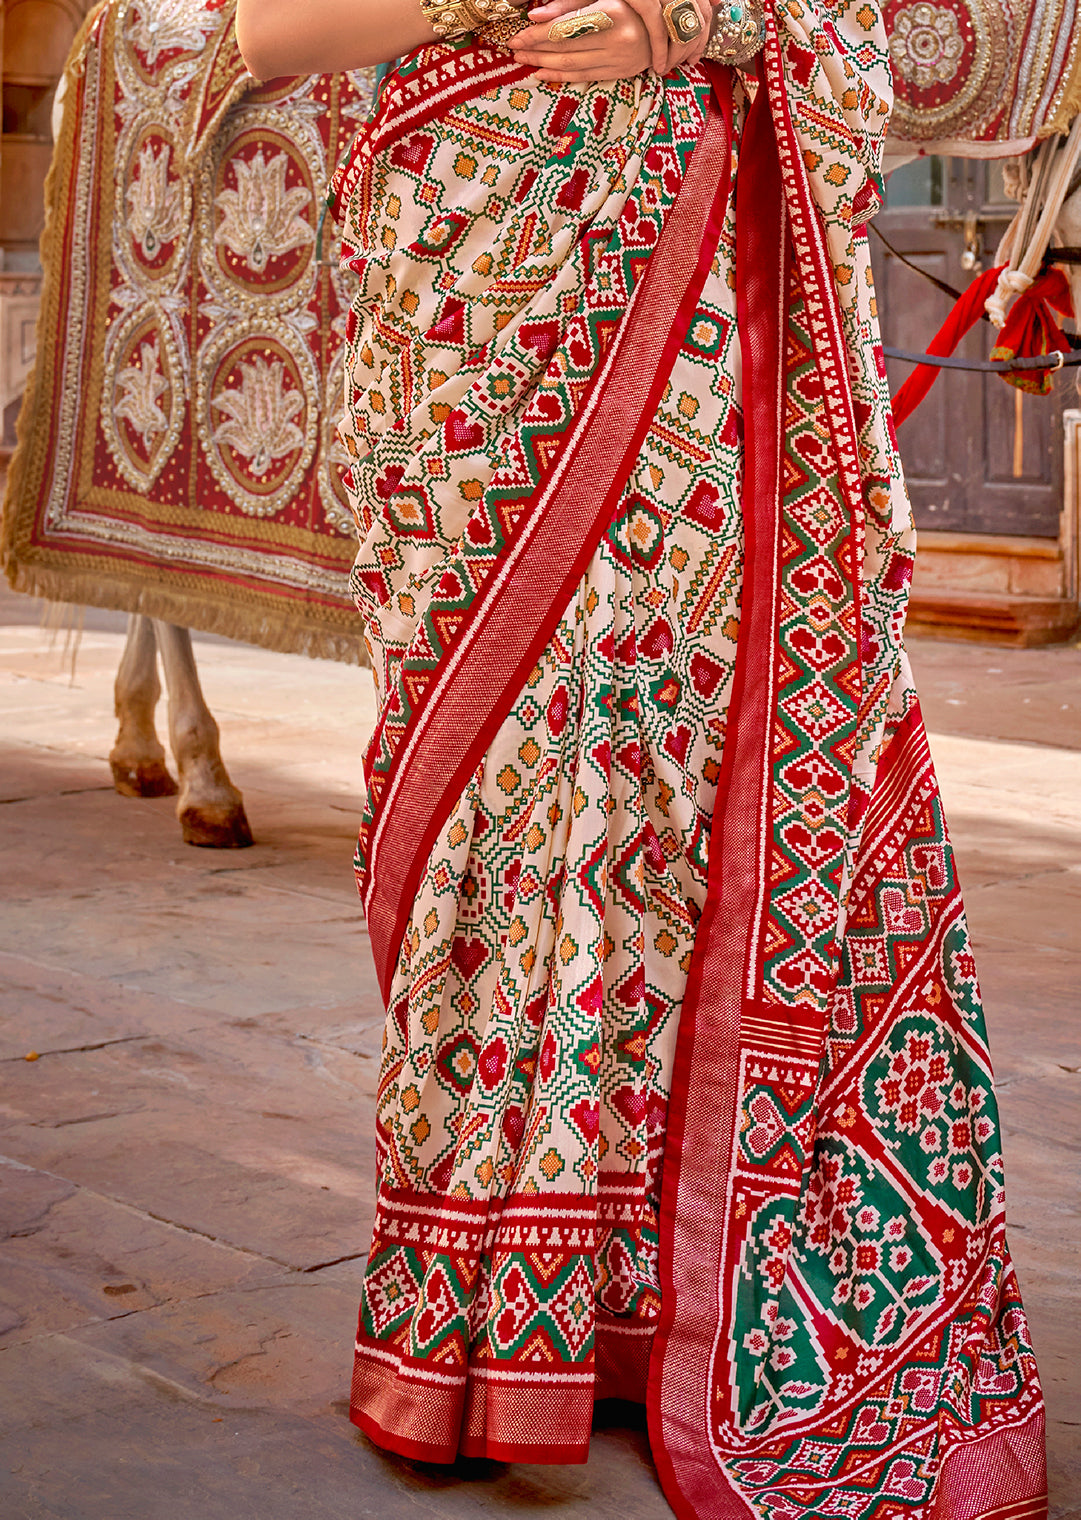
(581, 24)
(682, 20)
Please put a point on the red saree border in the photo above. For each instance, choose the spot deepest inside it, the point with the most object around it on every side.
(512, 617)
(502, 1418)
(496, 1413)
(978, 1467)
(707, 1049)
(506, 1407)
(816, 276)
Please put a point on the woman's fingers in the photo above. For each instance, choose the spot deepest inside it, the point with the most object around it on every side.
(545, 16)
(567, 76)
(545, 58)
(620, 51)
(649, 13)
(553, 9)
(562, 74)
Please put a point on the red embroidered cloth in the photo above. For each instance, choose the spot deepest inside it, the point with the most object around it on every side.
(177, 450)
(982, 77)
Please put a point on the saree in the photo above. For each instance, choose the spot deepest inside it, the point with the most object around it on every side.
(685, 1094)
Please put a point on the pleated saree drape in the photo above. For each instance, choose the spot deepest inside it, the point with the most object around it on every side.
(685, 1093)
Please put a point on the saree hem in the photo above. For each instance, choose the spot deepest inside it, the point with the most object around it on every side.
(493, 1414)
(1002, 1463)
(493, 1451)
(520, 1419)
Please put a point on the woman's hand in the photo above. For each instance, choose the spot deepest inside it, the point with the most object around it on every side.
(664, 54)
(620, 52)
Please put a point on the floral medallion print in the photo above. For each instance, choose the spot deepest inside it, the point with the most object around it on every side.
(260, 218)
(259, 416)
(154, 202)
(140, 386)
(991, 73)
(926, 45)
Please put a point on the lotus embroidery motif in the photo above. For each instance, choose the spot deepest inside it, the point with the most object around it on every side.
(259, 415)
(141, 385)
(166, 24)
(260, 218)
(927, 44)
(154, 214)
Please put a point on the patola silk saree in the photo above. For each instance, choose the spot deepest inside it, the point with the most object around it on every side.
(685, 1095)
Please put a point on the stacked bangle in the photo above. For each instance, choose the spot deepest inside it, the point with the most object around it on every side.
(454, 18)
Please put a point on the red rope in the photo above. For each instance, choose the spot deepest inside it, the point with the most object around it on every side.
(964, 315)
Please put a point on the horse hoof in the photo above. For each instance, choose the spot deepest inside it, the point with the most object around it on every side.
(142, 778)
(212, 828)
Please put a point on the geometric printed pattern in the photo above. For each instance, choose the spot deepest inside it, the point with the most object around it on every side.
(868, 1339)
(561, 899)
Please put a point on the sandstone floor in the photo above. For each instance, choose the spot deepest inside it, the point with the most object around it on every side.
(185, 1171)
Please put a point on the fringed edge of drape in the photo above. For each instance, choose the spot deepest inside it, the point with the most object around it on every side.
(264, 625)
(258, 619)
(31, 425)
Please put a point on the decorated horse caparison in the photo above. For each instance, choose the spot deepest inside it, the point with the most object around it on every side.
(178, 457)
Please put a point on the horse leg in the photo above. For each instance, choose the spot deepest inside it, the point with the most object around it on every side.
(210, 809)
(137, 759)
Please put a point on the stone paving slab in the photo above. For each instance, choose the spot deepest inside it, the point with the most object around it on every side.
(74, 1256)
(978, 691)
(190, 1460)
(188, 1182)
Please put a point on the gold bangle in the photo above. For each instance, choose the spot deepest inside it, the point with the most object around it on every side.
(454, 18)
(682, 20)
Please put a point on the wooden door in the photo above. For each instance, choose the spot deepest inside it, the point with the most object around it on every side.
(977, 459)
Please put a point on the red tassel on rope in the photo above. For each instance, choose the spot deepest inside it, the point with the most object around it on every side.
(1030, 329)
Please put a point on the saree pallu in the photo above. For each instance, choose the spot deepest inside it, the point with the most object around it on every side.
(685, 1094)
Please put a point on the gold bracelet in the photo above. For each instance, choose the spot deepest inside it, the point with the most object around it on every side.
(454, 18)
